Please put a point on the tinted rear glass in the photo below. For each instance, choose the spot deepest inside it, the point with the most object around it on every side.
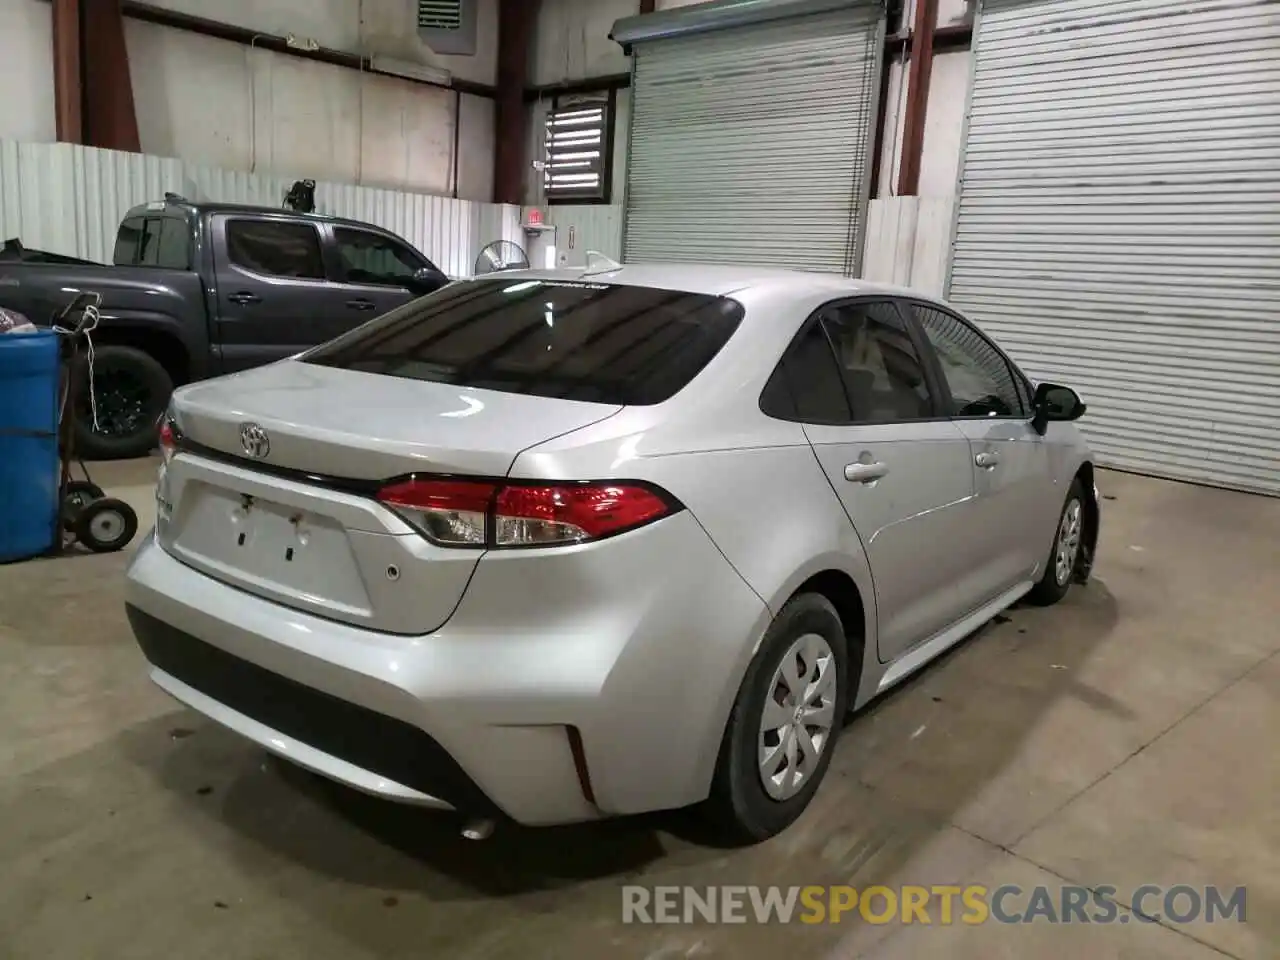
(600, 343)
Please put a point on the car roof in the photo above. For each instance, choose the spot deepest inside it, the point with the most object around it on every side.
(174, 202)
(739, 282)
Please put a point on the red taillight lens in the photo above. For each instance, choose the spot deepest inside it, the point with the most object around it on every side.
(531, 516)
(478, 514)
(168, 440)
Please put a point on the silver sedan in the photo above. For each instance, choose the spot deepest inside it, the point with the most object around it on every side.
(551, 546)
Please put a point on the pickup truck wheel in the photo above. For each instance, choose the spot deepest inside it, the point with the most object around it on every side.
(132, 390)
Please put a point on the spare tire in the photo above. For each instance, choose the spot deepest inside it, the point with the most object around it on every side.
(132, 390)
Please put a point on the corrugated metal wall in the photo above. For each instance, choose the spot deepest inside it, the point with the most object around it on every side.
(69, 199)
(1119, 222)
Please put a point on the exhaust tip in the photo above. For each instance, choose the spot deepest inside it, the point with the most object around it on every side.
(478, 830)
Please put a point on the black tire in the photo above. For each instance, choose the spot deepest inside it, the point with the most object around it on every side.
(129, 426)
(739, 807)
(106, 525)
(80, 493)
(1053, 587)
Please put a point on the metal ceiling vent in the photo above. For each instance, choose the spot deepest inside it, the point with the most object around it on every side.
(440, 14)
(448, 26)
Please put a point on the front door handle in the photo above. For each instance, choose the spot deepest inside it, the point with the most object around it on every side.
(360, 304)
(987, 461)
(243, 298)
(865, 472)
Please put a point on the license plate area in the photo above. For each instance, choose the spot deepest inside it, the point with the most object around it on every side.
(295, 555)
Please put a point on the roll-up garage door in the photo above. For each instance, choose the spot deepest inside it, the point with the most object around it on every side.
(751, 144)
(1119, 222)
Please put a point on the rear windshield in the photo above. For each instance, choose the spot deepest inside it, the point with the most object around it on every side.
(596, 342)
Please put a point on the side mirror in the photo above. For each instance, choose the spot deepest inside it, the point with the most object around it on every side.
(1055, 403)
(426, 280)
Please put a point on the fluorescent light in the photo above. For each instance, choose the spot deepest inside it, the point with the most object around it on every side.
(411, 71)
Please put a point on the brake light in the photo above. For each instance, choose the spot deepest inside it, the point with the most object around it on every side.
(463, 513)
(168, 440)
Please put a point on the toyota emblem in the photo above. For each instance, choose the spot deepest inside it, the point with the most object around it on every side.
(255, 441)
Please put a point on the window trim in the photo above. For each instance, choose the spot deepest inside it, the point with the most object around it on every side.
(923, 350)
(340, 271)
(1015, 372)
(610, 130)
(225, 221)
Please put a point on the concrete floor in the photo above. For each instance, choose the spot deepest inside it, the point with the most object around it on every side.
(1125, 737)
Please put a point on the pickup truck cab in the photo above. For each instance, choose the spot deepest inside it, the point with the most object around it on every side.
(197, 290)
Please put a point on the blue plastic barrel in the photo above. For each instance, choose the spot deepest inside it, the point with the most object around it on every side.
(29, 463)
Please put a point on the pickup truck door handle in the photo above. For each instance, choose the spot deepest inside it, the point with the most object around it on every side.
(243, 297)
(865, 472)
(360, 304)
(987, 461)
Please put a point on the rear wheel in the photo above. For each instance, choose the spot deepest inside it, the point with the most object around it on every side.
(131, 390)
(785, 722)
(1064, 555)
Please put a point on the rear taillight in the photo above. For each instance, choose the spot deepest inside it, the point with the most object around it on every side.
(465, 513)
(168, 440)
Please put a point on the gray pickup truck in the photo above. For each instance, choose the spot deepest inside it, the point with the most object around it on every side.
(197, 290)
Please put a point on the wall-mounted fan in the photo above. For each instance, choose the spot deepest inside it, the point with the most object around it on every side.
(501, 255)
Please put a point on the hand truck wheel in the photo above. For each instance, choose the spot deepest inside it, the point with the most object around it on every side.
(80, 493)
(106, 525)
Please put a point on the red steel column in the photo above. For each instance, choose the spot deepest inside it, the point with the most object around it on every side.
(68, 82)
(918, 77)
(110, 119)
(516, 22)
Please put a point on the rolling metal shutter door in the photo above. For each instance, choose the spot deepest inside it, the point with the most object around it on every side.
(1118, 227)
(752, 144)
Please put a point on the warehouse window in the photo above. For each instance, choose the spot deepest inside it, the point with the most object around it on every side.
(578, 149)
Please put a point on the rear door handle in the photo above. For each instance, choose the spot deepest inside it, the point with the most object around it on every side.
(865, 472)
(360, 304)
(987, 461)
(245, 298)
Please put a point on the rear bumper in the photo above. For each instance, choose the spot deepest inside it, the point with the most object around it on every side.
(593, 682)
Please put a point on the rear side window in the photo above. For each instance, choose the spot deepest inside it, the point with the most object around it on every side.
(276, 248)
(600, 343)
(805, 386)
(128, 241)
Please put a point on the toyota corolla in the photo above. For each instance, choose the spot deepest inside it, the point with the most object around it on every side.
(551, 546)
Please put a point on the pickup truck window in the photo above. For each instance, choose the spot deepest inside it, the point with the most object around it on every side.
(154, 242)
(276, 248)
(372, 258)
(128, 238)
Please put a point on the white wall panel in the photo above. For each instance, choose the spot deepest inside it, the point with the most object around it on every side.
(26, 70)
(69, 200)
(571, 40)
(222, 104)
(388, 27)
(909, 242)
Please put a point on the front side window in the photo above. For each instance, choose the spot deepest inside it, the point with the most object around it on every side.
(374, 259)
(593, 342)
(877, 359)
(980, 380)
(276, 248)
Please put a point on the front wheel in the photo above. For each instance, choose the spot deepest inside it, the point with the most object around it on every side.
(778, 742)
(1064, 555)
